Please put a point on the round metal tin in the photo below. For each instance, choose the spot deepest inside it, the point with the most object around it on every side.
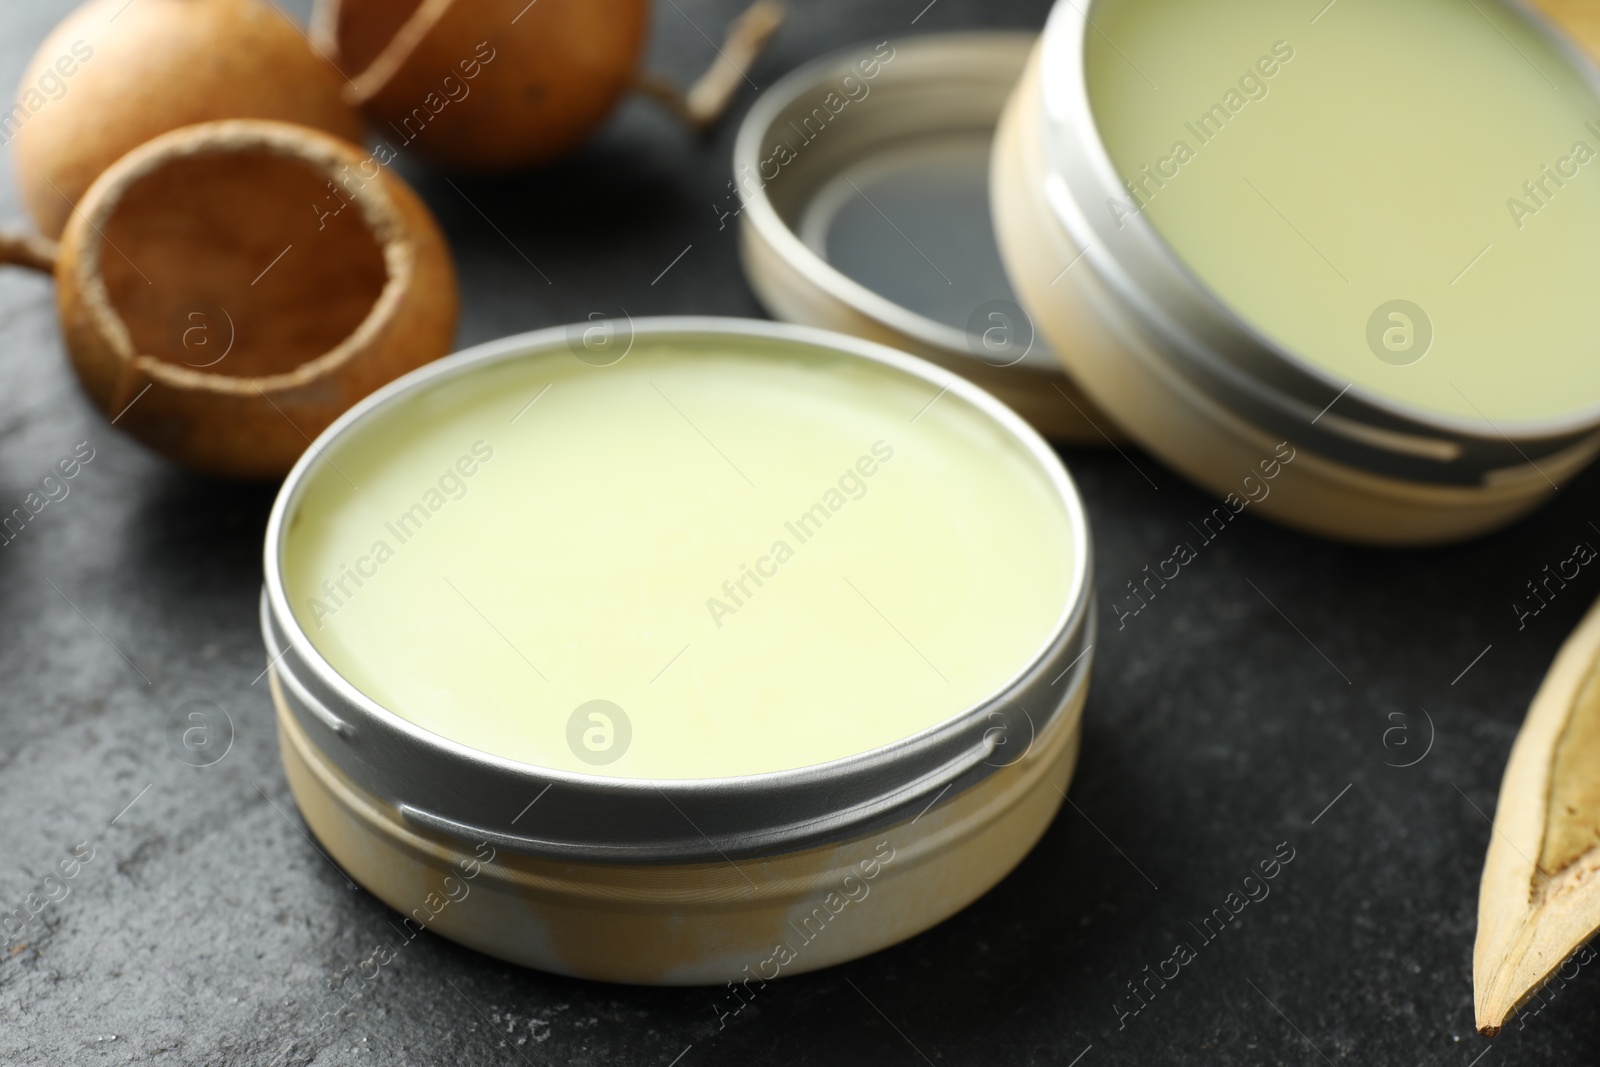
(860, 181)
(1199, 386)
(1222, 354)
(441, 787)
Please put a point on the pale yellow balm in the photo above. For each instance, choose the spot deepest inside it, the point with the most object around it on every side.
(1316, 164)
(767, 556)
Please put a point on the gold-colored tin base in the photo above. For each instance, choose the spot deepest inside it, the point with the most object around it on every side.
(749, 920)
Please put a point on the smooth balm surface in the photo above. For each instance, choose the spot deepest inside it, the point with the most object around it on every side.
(766, 556)
(1314, 164)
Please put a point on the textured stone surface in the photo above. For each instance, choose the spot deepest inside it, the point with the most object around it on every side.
(207, 927)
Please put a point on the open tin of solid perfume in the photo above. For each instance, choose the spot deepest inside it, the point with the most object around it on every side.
(1331, 262)
(652, 651)
(861, 185)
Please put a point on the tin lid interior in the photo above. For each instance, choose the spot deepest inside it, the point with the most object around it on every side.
(932, 193)
(868, 171)
(1339, 231)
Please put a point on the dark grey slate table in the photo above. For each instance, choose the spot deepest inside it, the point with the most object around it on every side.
(1264, 698)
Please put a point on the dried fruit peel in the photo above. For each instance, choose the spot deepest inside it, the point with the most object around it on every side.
(1533, 914)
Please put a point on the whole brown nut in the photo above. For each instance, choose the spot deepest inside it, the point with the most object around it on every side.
(493, 85)
(114, 74)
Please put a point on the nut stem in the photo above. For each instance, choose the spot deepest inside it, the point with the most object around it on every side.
(370, 82)
(705, 102)
(28, 250)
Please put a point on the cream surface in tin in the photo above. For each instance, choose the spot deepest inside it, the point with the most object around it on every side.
(716, 557)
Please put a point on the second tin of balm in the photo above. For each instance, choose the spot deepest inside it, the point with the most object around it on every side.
(1363, 229)
(680, 646)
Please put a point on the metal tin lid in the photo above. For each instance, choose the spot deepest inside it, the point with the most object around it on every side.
(1208, 345)
(447, 787)
(861, 182)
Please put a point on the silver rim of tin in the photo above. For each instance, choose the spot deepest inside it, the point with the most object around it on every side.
(1208, 345)
(443, 786)
(979, 68)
